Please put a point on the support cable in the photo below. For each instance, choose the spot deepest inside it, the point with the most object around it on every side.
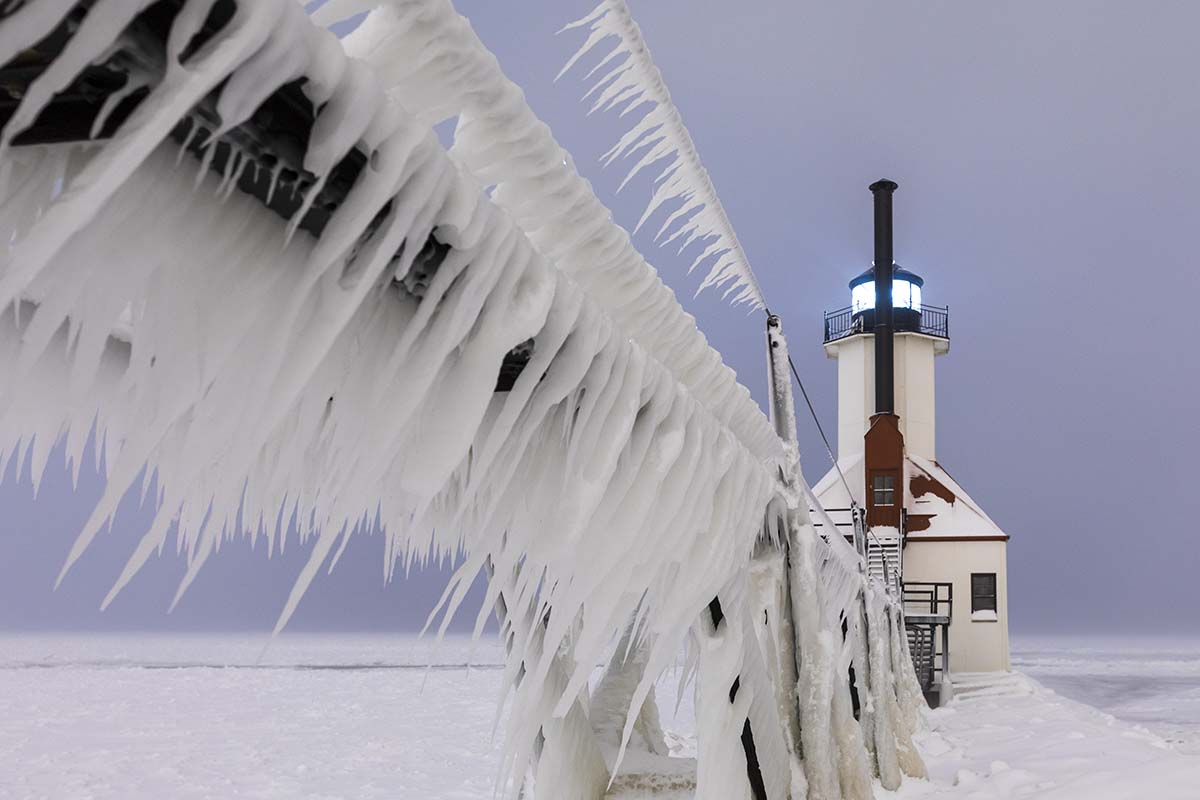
(821, 430)
(829, 450)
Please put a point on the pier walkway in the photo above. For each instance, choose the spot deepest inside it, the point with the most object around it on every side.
(1005, 736)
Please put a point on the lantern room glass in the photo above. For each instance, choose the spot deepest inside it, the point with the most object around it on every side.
(905, 294)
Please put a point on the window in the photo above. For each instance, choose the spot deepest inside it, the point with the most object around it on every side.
(862, 297)
(905, 294)
(884, 490)
(983, 592)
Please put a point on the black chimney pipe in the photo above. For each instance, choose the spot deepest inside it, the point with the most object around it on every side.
(885, 394)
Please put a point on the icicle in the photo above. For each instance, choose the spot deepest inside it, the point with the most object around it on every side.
(132, 84)
(660, 134)
(502, 143)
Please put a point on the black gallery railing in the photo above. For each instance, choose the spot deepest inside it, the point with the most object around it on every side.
(929, 320)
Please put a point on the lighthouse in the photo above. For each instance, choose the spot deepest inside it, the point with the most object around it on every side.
(925, 536)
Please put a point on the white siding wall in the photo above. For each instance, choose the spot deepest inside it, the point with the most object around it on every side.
(915, 393)
(856, 391)
(914, 390)
(975, 646)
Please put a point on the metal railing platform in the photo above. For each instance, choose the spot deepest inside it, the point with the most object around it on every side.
(928, 320)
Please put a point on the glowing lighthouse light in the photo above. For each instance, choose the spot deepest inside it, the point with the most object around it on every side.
(906, 290)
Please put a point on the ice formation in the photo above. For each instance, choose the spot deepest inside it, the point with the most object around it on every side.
(630, 79)
(438, 69)
(619, 495)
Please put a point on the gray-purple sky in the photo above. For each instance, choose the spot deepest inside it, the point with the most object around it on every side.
(1046, 154)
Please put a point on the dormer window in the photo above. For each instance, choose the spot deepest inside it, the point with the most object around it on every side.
(883, 490)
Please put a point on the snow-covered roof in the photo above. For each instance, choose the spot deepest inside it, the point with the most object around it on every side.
(931, 491)
(832, 492)
(937, 505)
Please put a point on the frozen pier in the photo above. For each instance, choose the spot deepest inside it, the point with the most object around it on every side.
(1005, 736)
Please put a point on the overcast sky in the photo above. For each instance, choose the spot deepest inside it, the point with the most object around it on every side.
(1046, 154)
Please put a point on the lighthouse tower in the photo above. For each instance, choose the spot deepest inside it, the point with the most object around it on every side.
(927, 537)
(921, 333)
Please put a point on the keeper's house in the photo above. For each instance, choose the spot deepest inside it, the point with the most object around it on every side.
(926, 534)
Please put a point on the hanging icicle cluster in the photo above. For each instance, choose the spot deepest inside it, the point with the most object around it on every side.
(435, 66)
(629, 80)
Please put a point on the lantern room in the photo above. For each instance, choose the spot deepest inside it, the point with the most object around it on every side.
(909, 311)
(906, 289)
(922, 332)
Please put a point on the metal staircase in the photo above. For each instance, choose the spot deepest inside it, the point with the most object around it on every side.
(927, 610)
(923, 647)
(927, 606)
(885, 560)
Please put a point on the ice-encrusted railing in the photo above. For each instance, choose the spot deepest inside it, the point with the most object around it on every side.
(262, 379)
(434, 65)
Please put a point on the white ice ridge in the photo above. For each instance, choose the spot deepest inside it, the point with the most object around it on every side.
(631, 81)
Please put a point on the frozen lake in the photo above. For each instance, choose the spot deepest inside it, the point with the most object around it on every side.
(219, 716)
(363, 717)
(205, 716)
(1153, 682)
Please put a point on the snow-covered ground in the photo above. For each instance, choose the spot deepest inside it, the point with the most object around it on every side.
(362, 717)
(216, 717)
(1005, 737)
